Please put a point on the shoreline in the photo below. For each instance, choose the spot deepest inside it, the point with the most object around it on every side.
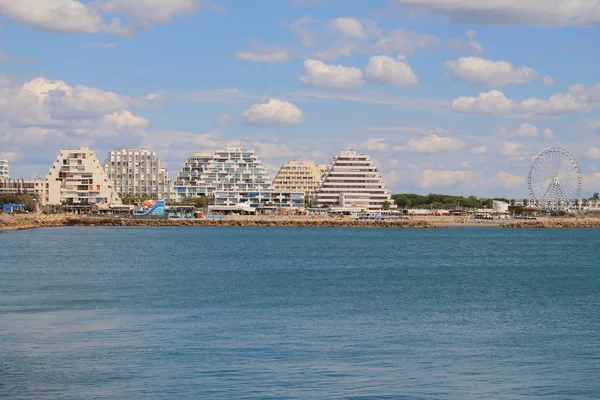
(33, 221)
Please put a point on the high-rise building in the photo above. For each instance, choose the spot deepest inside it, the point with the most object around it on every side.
(137, 172)
(234, 169)
(299, 176)
(83, 179)
(230, 177)
(186, 182)
(352, 182)
(4, 171)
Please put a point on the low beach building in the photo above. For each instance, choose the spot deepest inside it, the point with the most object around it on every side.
(353, 182)
(45, 192)
(299, 176)
(137, 172)
(83, 181)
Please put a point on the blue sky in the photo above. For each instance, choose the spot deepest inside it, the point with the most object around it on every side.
(446, 95)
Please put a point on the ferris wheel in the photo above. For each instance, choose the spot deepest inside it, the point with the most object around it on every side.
(554, 179)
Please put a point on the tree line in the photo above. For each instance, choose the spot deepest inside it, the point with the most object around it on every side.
(442, 201)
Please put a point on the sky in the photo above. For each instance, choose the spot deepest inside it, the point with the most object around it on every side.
(447, 96)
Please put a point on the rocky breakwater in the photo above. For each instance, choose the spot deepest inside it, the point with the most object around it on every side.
(555, 223)
(41, 221)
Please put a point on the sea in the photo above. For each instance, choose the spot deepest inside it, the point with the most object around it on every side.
(299, 313)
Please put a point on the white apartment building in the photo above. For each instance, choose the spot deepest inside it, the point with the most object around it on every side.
(46, 192)
(352, 182)
(230, 169)
(186, 183)
(82, 178)
(299, 176)
(4, 171)
(137, 172)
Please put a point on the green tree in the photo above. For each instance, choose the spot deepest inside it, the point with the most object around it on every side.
(198, 202)
(596, 196)
(386, 205)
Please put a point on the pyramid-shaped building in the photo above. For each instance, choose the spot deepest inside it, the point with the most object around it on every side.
(352, 182)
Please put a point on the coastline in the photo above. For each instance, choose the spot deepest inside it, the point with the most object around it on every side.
(32, 221)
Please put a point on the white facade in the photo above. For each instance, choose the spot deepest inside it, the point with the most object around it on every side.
(298, 176)
(4, 170)
(499, 206)
(231, 169)
(273, 199)
(186, 183)
(352, 181)
(46, 192)
(82, 178)
(137, 172)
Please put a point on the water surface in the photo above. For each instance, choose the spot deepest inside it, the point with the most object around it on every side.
(299, 313)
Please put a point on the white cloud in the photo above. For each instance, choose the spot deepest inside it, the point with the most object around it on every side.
(349, 26)
(301, 28)
(547, 80)
(466, 164)
(63, 16)
(224, 119)
(509, 12)
(593, 153)
(478, 150)
(479, 72)
(523, 130)
(403, 41)
(505, 180)
(73, 16)
(578, 98)
(511, 149)
(261, 53)
(442, 178)
(432, 144)
(319, 74)
(273, 112)
(274, 150)
(393, 162)
(473, 42)
(150, 12)
(377, 97)
(372, 144)
(42, 102)
(388, 71)
(548, 134)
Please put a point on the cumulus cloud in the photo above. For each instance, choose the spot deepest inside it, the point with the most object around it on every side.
(261, 53)
(593, 153)
(48, 102)
(512, 149)
(479, 72)
(523, 130)
(372, 144)
(506, 180)
(442, 178)
(548, 134)
(273, 112)
(473, 42)
(73, 16)
(478, 150)
(403, 41)
(431, 144)
(387, 71)
(337, 77)
(349, 26)
(509, 12)
(547, 80)
(577, 99)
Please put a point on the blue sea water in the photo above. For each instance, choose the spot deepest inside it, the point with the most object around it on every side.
(299, 313)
